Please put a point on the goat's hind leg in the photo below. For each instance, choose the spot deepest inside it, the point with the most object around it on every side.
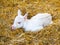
(51, 22)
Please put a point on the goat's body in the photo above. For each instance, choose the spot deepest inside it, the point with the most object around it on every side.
(37, 22)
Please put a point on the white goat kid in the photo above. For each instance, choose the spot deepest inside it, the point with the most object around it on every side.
(36, 23)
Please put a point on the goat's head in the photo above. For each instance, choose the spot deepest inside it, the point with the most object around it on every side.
(19, 20)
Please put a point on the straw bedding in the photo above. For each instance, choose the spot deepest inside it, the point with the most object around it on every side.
(50, 35)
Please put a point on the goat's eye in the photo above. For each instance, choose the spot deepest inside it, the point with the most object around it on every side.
(19, 22)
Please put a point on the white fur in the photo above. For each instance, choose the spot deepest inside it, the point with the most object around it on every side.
(37, 22)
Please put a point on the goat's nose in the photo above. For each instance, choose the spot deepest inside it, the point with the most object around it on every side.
(12, 27)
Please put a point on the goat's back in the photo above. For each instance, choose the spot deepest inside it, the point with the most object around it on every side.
(40, 15)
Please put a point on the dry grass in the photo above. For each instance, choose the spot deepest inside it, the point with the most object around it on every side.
(50, 35)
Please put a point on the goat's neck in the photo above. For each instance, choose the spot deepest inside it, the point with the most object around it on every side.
(25, 23)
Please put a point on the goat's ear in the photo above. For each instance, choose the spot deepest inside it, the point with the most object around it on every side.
(25, 16)
(19, 12)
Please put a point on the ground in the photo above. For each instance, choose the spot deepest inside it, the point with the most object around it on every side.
(50, 35)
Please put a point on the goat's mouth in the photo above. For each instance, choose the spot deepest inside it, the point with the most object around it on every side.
(13, 28)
